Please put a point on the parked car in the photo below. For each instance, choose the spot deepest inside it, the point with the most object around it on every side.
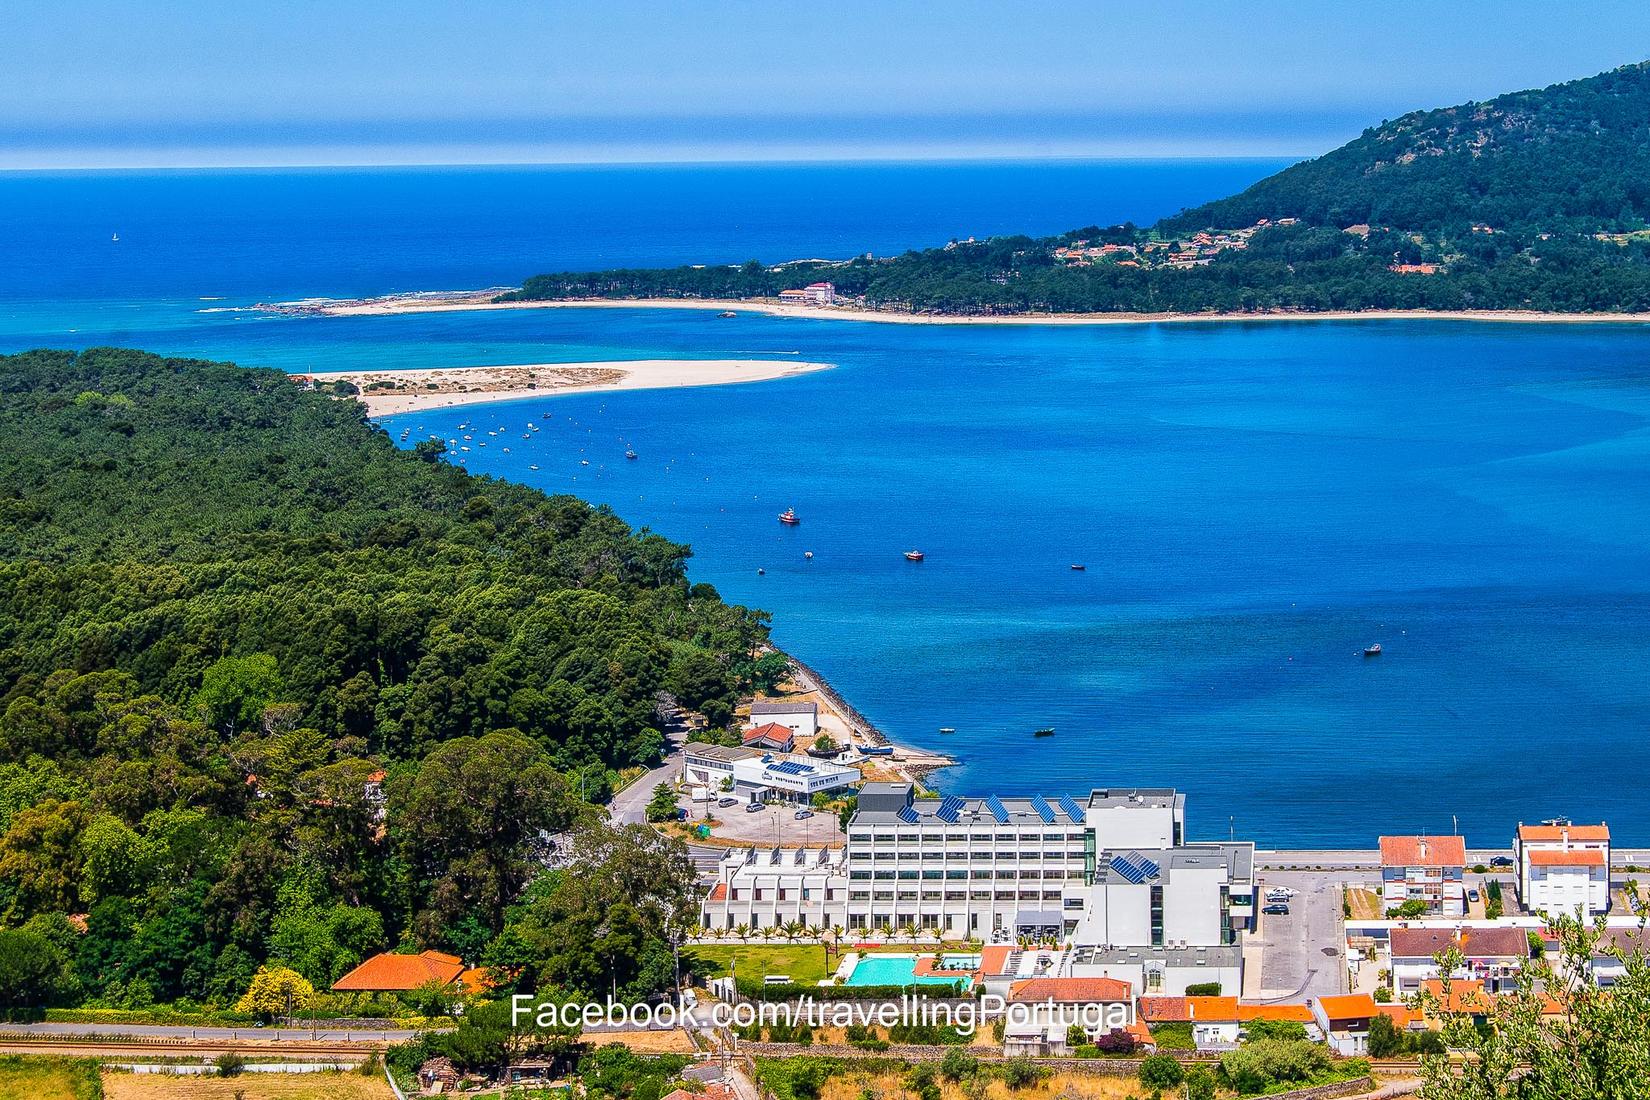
(1472, 895)
(803, 815)
(1501, 861)
(727, 802)
(1279, 893)
(754, 807)
(1277, 909)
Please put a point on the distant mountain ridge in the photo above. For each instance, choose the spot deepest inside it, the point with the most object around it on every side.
(1573, 156)
(1534, 201)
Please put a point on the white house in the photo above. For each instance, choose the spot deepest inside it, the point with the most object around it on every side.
(1427, 869)
(1493, 956)
(1344, 1021)
(801, 718)
(1563, 868)
(756, 775)
(1053, 1005)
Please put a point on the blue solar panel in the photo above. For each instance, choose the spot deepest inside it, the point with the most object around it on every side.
(1044, 810)
(907, 814)
(1135, 867)
(995, 805)
(791, 767)
(1069, 804)
(949, 809)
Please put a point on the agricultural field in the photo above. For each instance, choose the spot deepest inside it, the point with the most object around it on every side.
(244, 1086)
(23, 1078)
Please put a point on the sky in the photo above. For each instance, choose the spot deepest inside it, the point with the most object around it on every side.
(161, 83)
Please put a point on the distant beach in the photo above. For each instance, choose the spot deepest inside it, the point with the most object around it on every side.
(482, 300)
(388, 392)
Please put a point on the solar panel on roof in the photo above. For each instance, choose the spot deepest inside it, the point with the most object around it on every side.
(1069, 804)
(949, 809)
(907, 814)
(1044, 810)
(1126, 868)
(995, 805)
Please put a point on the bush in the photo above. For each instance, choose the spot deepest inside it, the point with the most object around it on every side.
(921, 1084)
(1115, 1042)
(229, 1064)
(958, 1064)
(1383, 995)
(1019, 1073)
(1200, 1084)
(1161, 1071)
(1203, 989)
(1257, 1066)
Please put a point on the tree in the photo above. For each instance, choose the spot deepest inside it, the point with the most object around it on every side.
(1200, 1083)
(235, 690)
(1598, 1045)
(662, 806)
(1160, 1071)
(275, 991)
(33, 971)
(1384, 1039)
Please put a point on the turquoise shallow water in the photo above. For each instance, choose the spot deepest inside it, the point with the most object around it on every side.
(1254, 504)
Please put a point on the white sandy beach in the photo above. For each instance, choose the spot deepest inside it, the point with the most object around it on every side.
(387, 392)
(480, 301)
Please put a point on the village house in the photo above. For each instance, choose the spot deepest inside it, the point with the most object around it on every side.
(814, 294)
(1424, 868)
(798, 716)
(1344, 1022)
(1492, 956)
(1041, 1029)
(1563, 868)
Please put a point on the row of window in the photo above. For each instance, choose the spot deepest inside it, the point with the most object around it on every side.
(1002, 874)
(961, 838)
(945, 854)
(958, 895)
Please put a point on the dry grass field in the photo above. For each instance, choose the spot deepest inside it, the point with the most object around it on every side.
(245, 1086)
(1059, 1086)
(24, 1078)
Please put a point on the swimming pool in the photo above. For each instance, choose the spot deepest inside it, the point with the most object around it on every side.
(895, 970)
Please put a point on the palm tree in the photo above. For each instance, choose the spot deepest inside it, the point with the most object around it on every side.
(792, 929)
(743, 931)
(909, 931)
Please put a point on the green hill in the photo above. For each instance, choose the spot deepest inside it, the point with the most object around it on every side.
(1536, 200)
(1574, 157)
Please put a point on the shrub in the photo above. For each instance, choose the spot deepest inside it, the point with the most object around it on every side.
(229, 1064)
(1200, 1084)
(958, 1064)
(921, 1084)
(1256, 1066)
(1203, 989)
(1115, 1042)
(1383, 995)
(1161, 1071)
(1019, 1073)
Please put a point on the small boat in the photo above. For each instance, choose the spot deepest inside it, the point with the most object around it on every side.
(115, 237)
(761, 572)
(913, 555)
(632, 455)
(948, 729)
(727, 313)
(1373, 650)
(789, 517)
(1077, 567)
(809, 554)
(1046, 731)
(532, 467)
(584, 462)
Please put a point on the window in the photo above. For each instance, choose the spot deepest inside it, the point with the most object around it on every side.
(933, 874)
(859, 875)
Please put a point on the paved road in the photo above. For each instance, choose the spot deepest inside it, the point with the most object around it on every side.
(1302, 952)
(629, 806)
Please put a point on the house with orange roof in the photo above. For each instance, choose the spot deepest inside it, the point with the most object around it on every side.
(770, 737)
(1344, 1021)
(1052, 1006)
(392, 973)
(1493, 956)
(1428, 869)
(1563, 868)
(1215, 1021)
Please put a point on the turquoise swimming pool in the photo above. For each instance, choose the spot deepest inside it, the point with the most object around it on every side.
(895, 970)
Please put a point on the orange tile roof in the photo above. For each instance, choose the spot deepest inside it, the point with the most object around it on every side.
(1423, 851)
(1556, 832)
(782, 735)
(1349, 1006)
(992, 958)
(1300, 1014)
(1465, 997)
(1575, 857)
(1163, 1010)
(1400, 1015)
(1070, 990)
(1141, 1034)
(719, 892)
(399, 973)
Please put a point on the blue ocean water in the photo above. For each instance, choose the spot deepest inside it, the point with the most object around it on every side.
(1254, 503)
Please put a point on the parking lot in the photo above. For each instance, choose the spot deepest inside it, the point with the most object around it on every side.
(774, 824)
(1301, 952)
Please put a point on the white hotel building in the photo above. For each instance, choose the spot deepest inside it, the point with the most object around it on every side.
(1111, 873)
(1563, 868)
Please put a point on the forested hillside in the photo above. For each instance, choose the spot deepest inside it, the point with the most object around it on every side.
(227, 605)
(1537, 200)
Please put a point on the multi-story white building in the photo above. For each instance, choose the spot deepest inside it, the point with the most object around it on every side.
(755, 775)
(1563, 868)
(1111, 872)
(1426, 869)
(769, 888)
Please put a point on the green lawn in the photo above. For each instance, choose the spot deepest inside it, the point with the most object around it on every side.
(804, 962)
(37, 1078)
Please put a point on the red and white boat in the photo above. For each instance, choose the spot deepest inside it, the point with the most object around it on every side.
(789, 518)
(913, 555)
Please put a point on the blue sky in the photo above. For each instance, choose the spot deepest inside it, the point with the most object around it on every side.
(113, 82)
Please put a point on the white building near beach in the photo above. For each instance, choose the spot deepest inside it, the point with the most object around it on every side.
(1563, 868)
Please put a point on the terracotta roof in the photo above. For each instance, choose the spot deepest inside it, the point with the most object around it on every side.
(1070, 990)
(772, 731)
(399, 973)
(1300, 1014)
(1141, 1033)
(1348, 1006)
(1400, 1015)
(1575, 857)
(1466, 998)
(1165, 1010)
(1556, 832)
(1423, 851)
(719, 892)
(992, 958)
(1414, 943)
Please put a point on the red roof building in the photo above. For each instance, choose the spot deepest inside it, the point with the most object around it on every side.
(772, 736)
(391, 973)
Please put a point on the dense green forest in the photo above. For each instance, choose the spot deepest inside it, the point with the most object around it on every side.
(273, 690)
(1534, 200)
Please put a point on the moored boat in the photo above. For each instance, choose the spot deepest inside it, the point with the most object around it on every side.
(1077, 567)
(789, 517)
(630, 454)
(1373, 650)
(1046, 731)
(948, 729)
(913, 555)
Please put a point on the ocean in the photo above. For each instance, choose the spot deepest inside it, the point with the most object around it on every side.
(1253, 503)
